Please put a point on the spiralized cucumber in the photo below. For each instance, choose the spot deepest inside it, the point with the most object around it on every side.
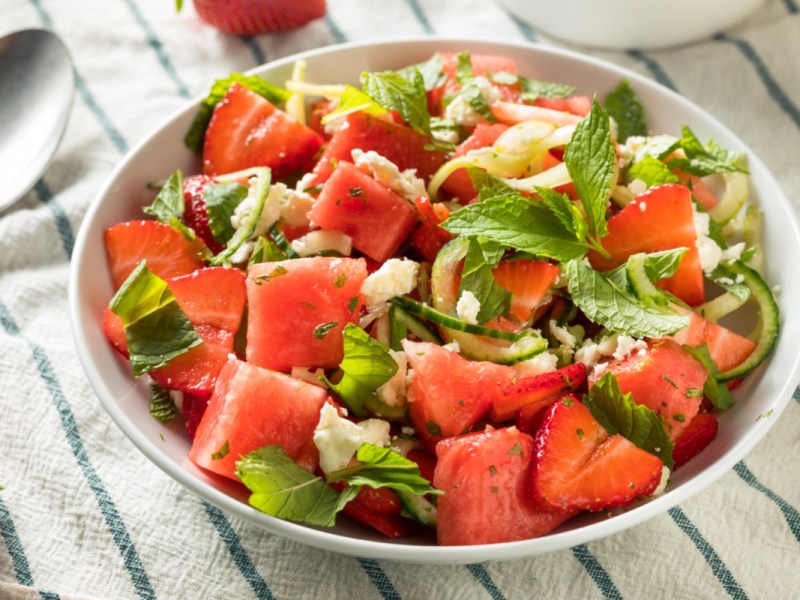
(737, 189)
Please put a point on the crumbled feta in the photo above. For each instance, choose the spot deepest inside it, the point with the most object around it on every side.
(725, 281)
(295, 206)
(448, 136)
(394, 278)
(337, 439)
(405, 183)
(616, 346)
(709, 252)
(563, 335)
(394, 391)
(732, 253)
(468, 307)
(242, 253)
(541, 363)
(306, 181)
(270, 213)
(599, 369)
(636, 187)
(312, 376)
(642, 206)
(452, 347)
(662, 485)
(626, 345)
(321, 240)
(460, 111)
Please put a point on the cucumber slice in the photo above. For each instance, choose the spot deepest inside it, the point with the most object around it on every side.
(737, 189)
(640, 282)
(722, 305)
(260, 190)
(769, 321)
(402, 322)
(417, 508)
(751, 234)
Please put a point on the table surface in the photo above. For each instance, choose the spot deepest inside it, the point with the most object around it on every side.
(84, 515)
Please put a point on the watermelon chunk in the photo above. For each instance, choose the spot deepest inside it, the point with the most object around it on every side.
(459, 184)
(727, 348)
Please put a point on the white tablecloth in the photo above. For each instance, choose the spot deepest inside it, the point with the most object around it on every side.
(84, 515)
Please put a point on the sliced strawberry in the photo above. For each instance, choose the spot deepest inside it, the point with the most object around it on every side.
(195, 214)
(659, 219)
(700, 433)
(425, 461)
(579, 466)
(382, 501)
(167, 252)
(529, 281)
(511, 113)
(389, 525)
(251, 17)
(541, 391)
(194, 408)
(428, 238)
(666, 379)
(529, 418)
(115, 332)
(246, 130)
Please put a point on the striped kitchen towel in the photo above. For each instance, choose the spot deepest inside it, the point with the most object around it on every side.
(83, 515)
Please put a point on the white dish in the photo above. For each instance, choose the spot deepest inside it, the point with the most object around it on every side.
(766, 392)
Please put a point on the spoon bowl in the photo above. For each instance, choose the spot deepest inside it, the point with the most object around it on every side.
(37, 84)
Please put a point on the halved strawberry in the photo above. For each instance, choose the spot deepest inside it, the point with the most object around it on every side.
(529, 418)
(389, 525)
(167, 252)
(700, 433)
(382, 501)
(578, 466)
(541, 391)
(193, 410)
(195, 214)
(666, 379)
(246, 130)
(115, 332)
(529, 281)
(428, 238)
(250, 17)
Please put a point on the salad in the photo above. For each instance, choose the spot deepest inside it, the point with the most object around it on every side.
(452, 299)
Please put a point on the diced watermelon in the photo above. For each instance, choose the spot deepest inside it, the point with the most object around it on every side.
(459, 184)
(246, 130)
(375, 217)
(485, 480)
(483, 65)
(727, 349)
(577, 105)
(450, 393)
(529, 281)
(298, 310)
(251, 408)
(659, 219)
(700, 190)
(666, 379)
(400, 144)
(428, 238)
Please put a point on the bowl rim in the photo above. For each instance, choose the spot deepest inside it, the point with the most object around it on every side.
(415, 553)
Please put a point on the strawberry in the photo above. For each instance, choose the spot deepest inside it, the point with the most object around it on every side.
(699, 434)
(459, 183)
(541, 390)
(246, 130)
(428, 238)
(115, 332)
(578, 466)
(250, 17)
(382, 501)
(193, 410)
(529, 281)
(529, 418)
(389, 525)
(195, 214)
(167, 252)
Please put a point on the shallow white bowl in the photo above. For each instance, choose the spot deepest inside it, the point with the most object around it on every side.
(631, 23)
(159, 154)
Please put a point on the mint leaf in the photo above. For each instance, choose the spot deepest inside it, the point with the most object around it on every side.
(482, 256)
(488, 185)
(626, 109)
(464, 72)
(367, 365)
(407, 96)
(382, 467)
(221, 201)
(652, 171)
(519, 222)
(169, 205)
(702, 161)
(259, 190)
(619, 414)
(266, 250)
(533, 88)
(354, 100)
(433, 75)
(196, 135)
(162, 406)
(657, 266)
(281, 488)
(716, 391)
(612, 306)
(590, 159)
(155, 327)
(470, 91)
(565, 210)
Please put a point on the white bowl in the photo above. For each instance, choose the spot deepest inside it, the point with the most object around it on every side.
(631, 23)
(126, 192)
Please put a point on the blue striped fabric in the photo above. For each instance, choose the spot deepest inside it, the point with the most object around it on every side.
(596, 571)
(790, 513)
(19, 560)
(62, 223)
(654, 67)
(482, 575)
(419, 14)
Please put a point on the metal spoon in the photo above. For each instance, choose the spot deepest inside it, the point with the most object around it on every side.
(37, 84)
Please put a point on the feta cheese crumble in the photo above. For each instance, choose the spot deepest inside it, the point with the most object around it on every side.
(404, 183)
(710, 254)
(545, 362)
(394, 278)
(337, 439)
(460, 111)
(468, 307)
(320, 240)
(618, 347)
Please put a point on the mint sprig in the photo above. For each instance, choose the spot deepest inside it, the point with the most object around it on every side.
(713, 389)
(482, 256)
(221, 200)
(625, 107)
(156, 329)
(619, 414)
(704, 160)
(162, 406)
(652, 172)
(405, 94)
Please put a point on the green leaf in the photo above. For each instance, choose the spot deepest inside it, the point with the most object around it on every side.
(266, 250)
(657, 266)
(619, 414)
(407, 96)
(519, 222)
(590, 159)
(474, 97)
(702, 161)
(156, 329)
(221, 201)
(612, 306)
(382, 467)
(464, 72)
(565, 210)
(433, 75)
(259, 189)
(354, 100)
(195, 137)
(367, 365)
(169, 204)
(482, 256)
(281, 488)
(626, 109)
(716, 391)
(652, 171)
(488, 185)
(323, 329)
(533, 88)
(162, 406)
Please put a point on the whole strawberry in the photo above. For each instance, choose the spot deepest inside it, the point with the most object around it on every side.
(249, 17)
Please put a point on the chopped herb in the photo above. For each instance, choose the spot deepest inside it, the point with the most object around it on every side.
(222, 452)
(580, 433)
(320, 331)
(340, 281)
(694, 393)
(276, 272)
(355, 192)
(516, 449)
(495, 489)
(309, 305)
(492, 470)
(351, 306)
(433, 429)
(669, 381)
(567, 402)
(679, 418)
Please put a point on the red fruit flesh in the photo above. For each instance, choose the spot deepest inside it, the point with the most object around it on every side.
(428, 238)
(529, 281)
(541, 390)
(167, 252)
(196, 214)
(700, 433)
(251, 17)
(193, 410)
(389, 525)
(459, 183)
(486, 485)
(727, 349)
(578, 466)
(246, 130)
